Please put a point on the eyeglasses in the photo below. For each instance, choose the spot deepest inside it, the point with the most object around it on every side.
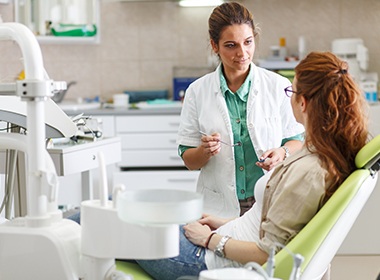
(289, 91)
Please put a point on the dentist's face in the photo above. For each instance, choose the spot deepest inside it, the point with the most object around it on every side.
(236, 47)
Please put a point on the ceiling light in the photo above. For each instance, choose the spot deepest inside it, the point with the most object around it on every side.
(199, 3)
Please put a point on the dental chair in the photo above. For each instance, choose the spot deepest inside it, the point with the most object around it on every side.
(321, 238)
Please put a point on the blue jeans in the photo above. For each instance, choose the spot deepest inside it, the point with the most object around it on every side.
(189, 262)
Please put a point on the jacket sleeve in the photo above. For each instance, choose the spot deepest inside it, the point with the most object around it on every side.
(188, 132)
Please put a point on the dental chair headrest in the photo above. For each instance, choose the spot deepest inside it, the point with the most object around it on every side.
(369, 156)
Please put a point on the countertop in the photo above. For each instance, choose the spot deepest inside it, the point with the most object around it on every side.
(375, 107)
(124, 111)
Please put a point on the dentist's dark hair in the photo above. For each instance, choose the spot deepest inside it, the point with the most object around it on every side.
(337, 121)
(228, 14)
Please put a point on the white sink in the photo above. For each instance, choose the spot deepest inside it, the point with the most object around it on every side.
(75, 106)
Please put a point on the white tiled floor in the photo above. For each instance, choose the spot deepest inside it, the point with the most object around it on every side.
(355, 267)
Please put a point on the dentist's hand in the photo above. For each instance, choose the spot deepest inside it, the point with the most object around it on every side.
(211, 144)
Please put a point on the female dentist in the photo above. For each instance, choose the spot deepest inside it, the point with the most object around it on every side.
(236, 121)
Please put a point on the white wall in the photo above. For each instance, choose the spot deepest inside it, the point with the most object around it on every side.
(142, 42)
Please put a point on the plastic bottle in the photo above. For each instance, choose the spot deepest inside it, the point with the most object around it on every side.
(301, 47)
(283, 50)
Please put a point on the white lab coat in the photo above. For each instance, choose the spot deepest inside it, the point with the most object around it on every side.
(269, 120)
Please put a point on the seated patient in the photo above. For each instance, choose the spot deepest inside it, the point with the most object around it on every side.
(326, 100)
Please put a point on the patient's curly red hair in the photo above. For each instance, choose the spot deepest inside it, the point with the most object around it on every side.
(337, 125)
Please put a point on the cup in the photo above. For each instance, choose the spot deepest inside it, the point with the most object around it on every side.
(121, 100)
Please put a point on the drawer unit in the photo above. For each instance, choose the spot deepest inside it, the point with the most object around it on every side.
(151, 123)
(150, 158)
(163, 179)
(148, 141)
(78, 158)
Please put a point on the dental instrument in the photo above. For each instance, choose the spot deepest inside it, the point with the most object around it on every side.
(225, 143)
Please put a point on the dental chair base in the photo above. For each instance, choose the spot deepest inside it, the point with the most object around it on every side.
(39, 253)
(65, 250)
(120, 240)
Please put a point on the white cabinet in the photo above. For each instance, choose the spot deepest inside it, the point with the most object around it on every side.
(149, 157)
(148, 141)
(75, 21)
(149, 153)
(76, 187)
(107, 125)
(154, 179)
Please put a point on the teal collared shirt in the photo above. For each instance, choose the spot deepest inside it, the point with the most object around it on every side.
(246, 170)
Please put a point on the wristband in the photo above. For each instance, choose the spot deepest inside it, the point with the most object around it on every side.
(209, 238)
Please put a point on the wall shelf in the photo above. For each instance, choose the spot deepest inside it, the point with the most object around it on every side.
(36, 14)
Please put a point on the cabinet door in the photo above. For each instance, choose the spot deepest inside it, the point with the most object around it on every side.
(149, 140)
(108, 125)
(154, 158)
(134, 124)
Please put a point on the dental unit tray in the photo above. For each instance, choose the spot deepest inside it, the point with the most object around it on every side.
(13, 110)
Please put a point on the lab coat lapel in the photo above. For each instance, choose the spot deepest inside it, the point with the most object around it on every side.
(221, 102)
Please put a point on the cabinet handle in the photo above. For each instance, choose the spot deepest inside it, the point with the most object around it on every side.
(174, 123)
(181, 180)
(176, 157)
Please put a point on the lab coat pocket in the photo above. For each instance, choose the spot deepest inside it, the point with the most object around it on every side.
(213, 201)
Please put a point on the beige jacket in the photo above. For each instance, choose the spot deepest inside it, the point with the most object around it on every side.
(292, 197)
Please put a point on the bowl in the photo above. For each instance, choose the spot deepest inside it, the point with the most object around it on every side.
(159, 206)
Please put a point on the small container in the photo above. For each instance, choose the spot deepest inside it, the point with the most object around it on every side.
(283, 51)
(368, 84)
(74, 30)
(301, 47)
(121, 100)
(184, 76)
(370, 91)
(275, 51)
